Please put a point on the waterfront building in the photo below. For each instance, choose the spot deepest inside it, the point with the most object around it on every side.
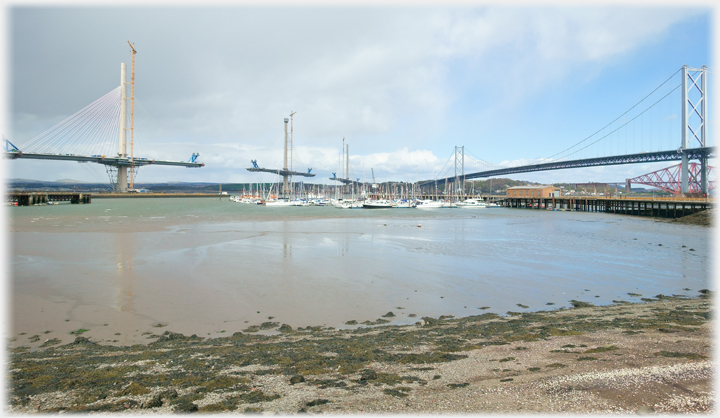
(533, 191)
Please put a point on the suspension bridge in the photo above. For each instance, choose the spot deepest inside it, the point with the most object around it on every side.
(684, 143)
(97, 134)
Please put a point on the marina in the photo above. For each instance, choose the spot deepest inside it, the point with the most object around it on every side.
(661, 207)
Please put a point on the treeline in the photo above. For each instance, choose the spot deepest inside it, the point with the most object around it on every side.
(495, 185)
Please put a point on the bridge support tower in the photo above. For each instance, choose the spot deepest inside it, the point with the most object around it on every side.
(459, 182)
(286, 187)
(122, 172)
(694, 125)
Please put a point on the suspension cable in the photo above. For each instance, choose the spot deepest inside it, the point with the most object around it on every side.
(616, 119)
(626, 123)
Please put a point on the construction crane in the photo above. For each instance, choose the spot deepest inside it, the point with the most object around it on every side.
(132, 118)
(292, 112)
(285, 172)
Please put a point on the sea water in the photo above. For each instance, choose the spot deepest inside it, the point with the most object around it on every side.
(128, 269)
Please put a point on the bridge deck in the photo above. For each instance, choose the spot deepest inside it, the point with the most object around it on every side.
(281, 172)
(100, 159)
(644, 157)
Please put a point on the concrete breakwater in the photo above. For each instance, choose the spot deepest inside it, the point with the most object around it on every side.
(150, 195)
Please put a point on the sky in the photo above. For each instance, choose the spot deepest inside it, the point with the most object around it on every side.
(402, 84)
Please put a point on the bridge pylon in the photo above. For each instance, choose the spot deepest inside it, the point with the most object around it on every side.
(122, 173)
(459, 181)
(694, 126)
(82, 125)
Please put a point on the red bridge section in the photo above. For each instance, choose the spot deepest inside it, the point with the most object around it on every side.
(668, 179)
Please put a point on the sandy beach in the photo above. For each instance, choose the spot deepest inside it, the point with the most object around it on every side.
(654, 356)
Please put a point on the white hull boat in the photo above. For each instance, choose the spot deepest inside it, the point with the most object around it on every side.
(348, 204)
(472, 203)
(377, 204)
(279, 203)
(434, 204)
(403, 205)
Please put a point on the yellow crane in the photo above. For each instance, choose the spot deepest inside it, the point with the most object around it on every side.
(132, 117)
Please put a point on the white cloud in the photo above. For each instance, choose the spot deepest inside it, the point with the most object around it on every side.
(402, 164)
(528, 48)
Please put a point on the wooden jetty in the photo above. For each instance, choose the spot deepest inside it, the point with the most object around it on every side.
(44, 198)
(47, 198)
(662, 207)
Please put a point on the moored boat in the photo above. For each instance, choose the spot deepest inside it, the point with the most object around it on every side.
(403, 204)
(429, 204)
(377, 204)
(472, 203)
(348, 204)
(279, 202)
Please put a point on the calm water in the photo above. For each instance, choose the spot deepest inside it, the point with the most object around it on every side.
(206, 266)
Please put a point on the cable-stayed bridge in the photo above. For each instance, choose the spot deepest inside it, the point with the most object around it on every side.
(651, 123)
(97, 134)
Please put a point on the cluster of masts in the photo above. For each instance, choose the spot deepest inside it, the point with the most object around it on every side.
(359, 195)
(396, 199)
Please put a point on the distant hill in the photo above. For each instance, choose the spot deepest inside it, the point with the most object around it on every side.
(169, 187)
(63, 181)
(69, 181)
(22, 181)
(490, 186)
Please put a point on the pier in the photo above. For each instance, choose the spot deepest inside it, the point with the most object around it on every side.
(49, 198)
(44, 198)
(665, 207)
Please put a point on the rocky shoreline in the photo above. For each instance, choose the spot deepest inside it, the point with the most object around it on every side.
(627, 358)
(702, 218)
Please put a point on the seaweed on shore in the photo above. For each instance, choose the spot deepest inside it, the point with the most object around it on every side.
(330, 358)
